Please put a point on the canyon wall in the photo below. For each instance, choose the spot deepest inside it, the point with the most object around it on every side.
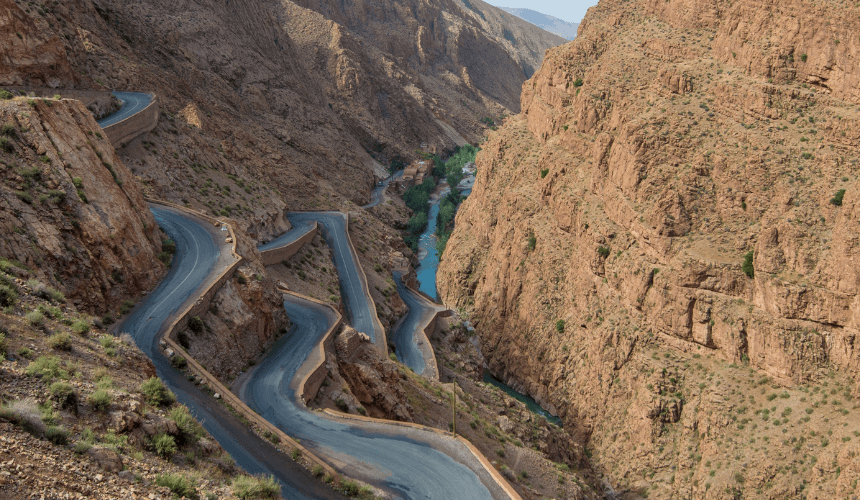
(69, 208)
(602, 252)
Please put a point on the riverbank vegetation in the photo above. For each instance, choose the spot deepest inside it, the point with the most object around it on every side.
(448, 206)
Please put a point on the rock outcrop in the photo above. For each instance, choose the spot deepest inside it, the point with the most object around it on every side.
(602, 252)
(69, 209)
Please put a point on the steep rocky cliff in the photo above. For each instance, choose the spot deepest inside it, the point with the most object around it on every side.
(69, 209)
(664, 238)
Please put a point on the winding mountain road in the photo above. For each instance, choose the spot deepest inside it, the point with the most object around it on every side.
(197, 261)
(408, 462)
(132, 104)
(405, 339)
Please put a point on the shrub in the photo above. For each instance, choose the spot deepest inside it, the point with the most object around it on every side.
(47, 367)
(295, 454)
(559, 326)
(532, 241)
(8, 295)
(179, 485)
(341, 405)
(247, 487)
(803, 57)
(544, 172)
(837, 198)
(178, 362)
(156, 393)
(164, 445)
(35, 318)
(64, 394)
(5, 95)
(271, 436)
(24, 413)
(195, 324)
(361, 410)
(317, 471)
(747, 266)
(81, 327)
(578, 82)
(6, 145)
(3, 347)
(182, 338)
(9, 130)
(100, 400)
(60, 341)
(82, 447)
(107, 341)
(191, 430)
(57, 435)
(392, 357)
(603, 251)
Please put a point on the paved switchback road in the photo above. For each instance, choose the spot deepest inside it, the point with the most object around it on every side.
(405, 342)
(409, 463)
(333, 227)
(197, 261)
(132, 103)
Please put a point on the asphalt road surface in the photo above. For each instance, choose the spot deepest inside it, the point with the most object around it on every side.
(376, 195)
(132, 103)
(333, 227)
(408, 463)
(404, 339)
(197, 258)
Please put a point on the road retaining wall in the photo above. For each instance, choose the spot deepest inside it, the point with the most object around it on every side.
(123, 131)
(283, 253)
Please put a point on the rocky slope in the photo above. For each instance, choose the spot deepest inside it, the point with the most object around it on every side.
(275, 100)
(602, 251)
(70, 209)
(82, 416)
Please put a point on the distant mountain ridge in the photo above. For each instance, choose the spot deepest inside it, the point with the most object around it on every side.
(552, 24)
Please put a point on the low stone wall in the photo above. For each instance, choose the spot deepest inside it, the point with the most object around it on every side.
(283, 253)
(123, 131)
(381, 340)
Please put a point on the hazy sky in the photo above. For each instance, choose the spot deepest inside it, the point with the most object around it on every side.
(570, 10)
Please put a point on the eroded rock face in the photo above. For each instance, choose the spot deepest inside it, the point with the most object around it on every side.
(70, 210)
(372, 380)
(33, 54)
(603, 243)
(243, 320)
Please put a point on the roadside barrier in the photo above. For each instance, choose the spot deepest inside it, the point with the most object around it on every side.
(139, 123)
(283, 253)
